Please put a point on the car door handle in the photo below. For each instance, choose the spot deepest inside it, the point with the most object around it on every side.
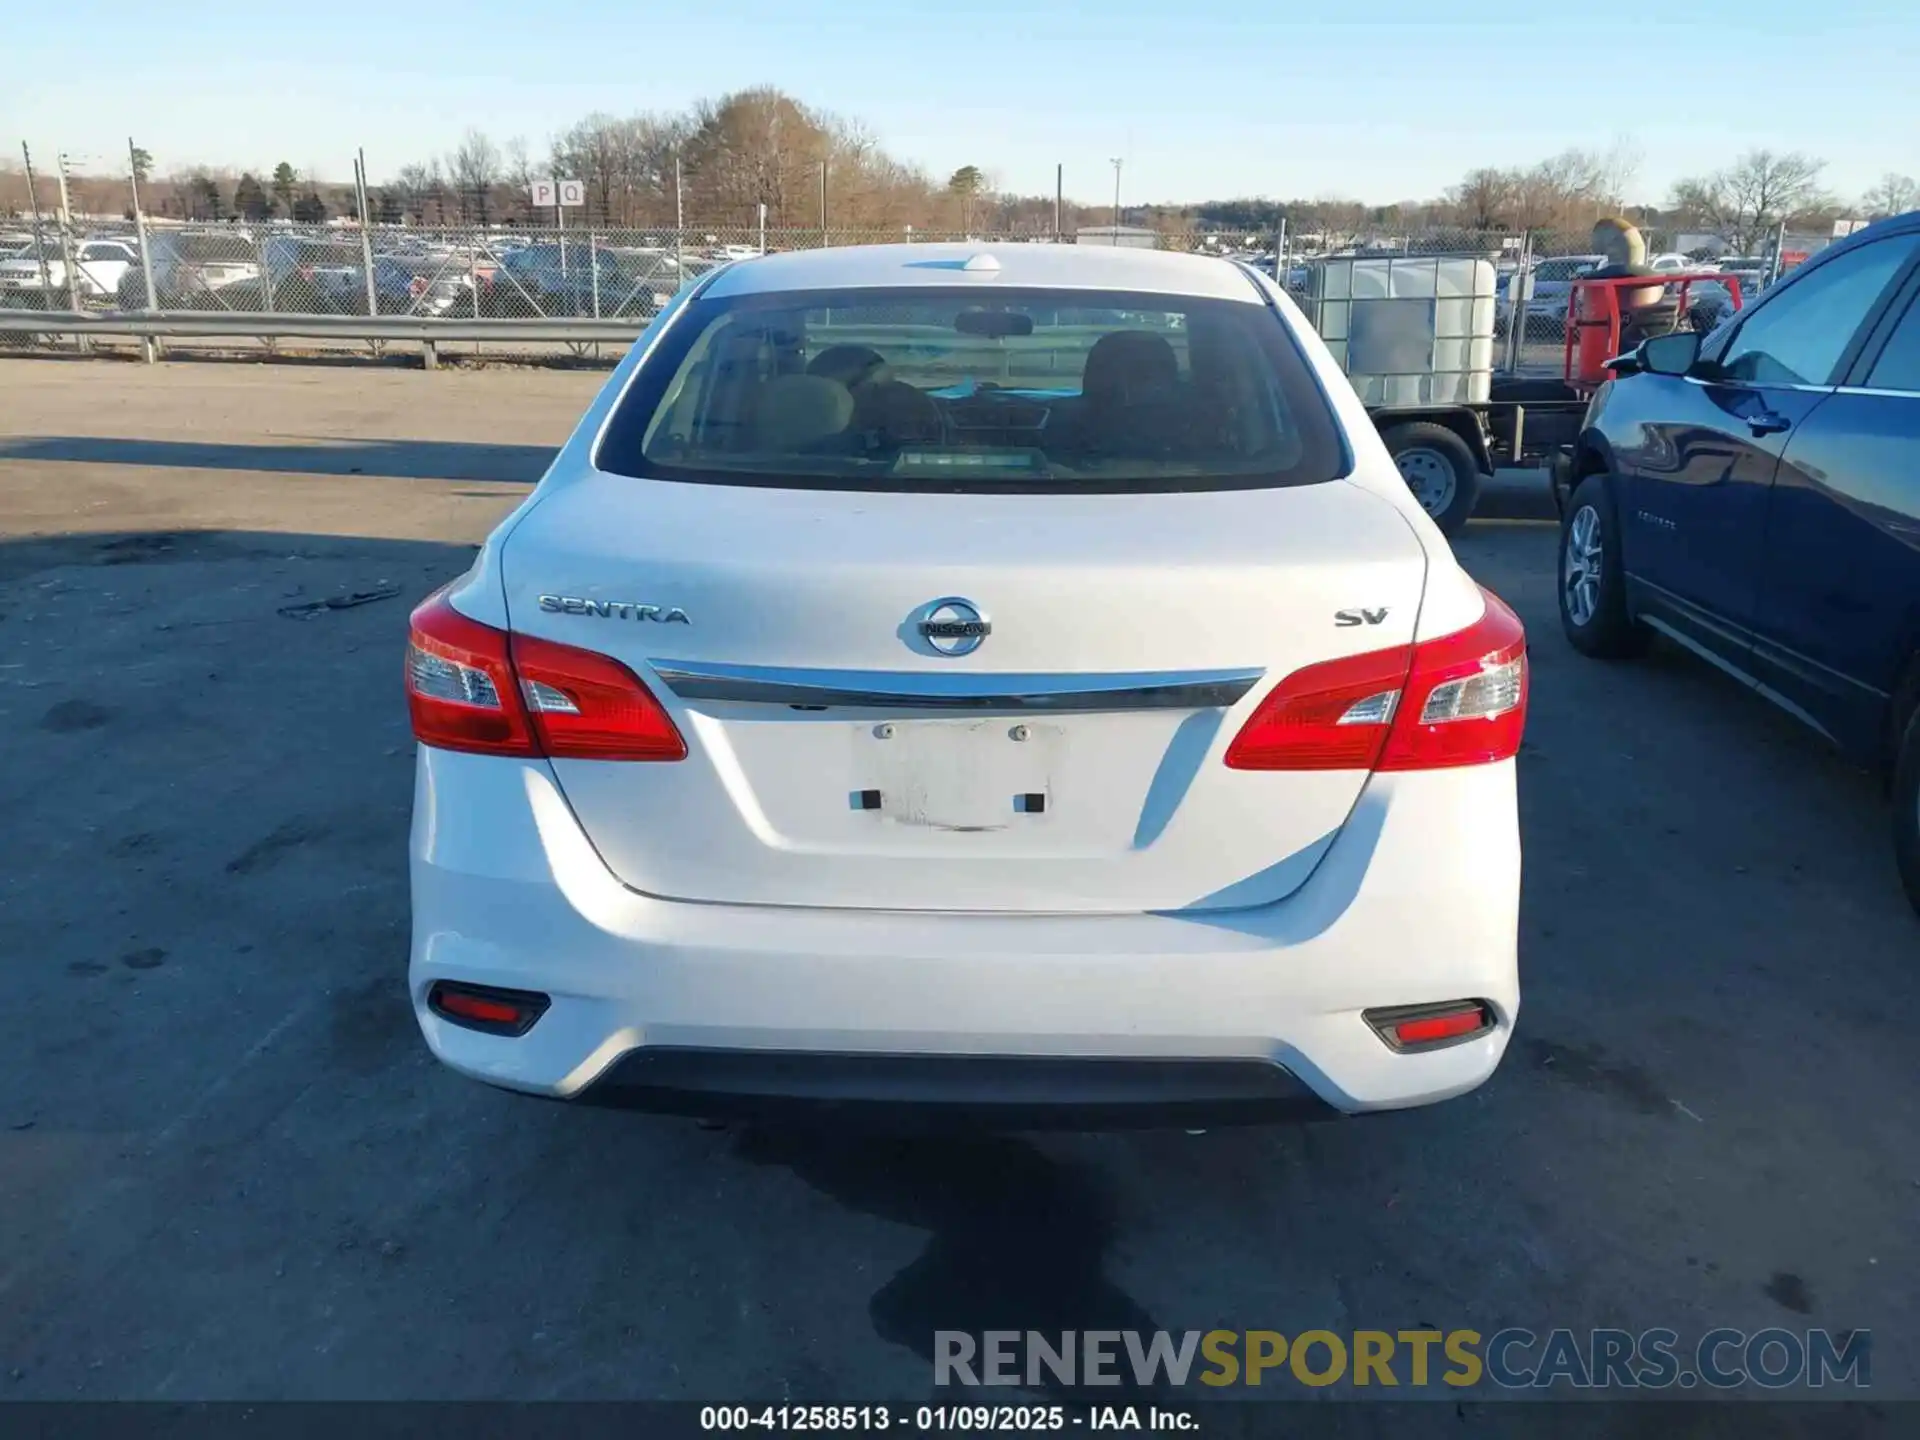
(1767, 423)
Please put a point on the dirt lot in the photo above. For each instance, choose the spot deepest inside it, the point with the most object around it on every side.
(228, 1168)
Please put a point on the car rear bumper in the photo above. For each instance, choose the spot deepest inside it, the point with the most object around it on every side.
(709, 1008)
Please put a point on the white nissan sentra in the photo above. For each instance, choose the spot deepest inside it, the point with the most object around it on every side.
(1010, 678)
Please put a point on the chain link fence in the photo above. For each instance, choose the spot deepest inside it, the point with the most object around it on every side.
(610, 273)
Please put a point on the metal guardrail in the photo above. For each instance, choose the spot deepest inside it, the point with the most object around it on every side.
(427, 333)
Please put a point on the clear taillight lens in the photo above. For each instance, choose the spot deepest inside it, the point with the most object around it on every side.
(472, 687)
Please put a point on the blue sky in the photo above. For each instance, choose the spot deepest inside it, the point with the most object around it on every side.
(1204, 98)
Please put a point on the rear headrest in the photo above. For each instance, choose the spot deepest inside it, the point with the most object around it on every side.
(851, 365)
(1129, 365)
(793, 412)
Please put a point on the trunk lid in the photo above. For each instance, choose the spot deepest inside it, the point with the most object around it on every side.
(1069, 763)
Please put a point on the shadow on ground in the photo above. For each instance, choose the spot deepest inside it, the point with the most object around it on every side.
(301, 455)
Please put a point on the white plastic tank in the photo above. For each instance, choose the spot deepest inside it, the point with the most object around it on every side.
(1408, 330)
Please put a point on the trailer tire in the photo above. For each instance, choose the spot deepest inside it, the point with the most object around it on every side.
(1439, 469)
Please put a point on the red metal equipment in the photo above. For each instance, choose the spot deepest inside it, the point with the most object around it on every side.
(1594, 317)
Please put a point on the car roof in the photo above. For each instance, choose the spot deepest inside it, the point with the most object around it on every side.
(995, 264)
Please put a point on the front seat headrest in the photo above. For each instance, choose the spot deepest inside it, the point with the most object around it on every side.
(1129, 365)
(852, 365)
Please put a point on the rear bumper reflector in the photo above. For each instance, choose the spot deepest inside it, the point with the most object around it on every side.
(1410, 1029)
(487, 1008)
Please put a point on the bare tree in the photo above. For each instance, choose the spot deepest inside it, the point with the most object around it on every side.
(474, 168)
(625, 164)
(758, 147)
(517, 171)
(1747, 201)
(1893, 194)
(420, 192)
(1484, 198)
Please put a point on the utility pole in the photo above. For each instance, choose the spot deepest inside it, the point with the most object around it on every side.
(140, 233)
(67, 249)
(1059, 195)
(39, 242)
(366, 229)
(679, 224)
(823, 203)
(1117, 162)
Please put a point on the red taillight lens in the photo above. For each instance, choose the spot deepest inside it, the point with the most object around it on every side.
(590, 707)
(1333, 716)
(1457, 700)
(472, 687)
(484, 1007)
(1429, 1027)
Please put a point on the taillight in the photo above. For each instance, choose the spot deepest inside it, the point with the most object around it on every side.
(1466, 698)
(586, 706)
(1332, 716)
(460, 686)
(1457, 700)
(472, 687)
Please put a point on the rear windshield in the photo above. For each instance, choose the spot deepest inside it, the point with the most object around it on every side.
(981, 390)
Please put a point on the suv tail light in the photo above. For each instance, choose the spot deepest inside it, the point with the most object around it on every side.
(1460, 699)
(472, 687)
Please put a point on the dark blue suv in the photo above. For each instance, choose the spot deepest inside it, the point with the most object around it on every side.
(1755, 496)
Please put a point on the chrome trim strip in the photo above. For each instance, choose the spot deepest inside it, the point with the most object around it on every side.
(1733, 671)
(913, 690)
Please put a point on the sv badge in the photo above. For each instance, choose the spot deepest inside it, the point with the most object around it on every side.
(1360, 617)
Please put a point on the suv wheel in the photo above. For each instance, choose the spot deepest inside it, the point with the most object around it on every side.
(1593, 600)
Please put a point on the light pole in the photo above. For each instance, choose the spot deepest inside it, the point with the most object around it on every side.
(1117, 162)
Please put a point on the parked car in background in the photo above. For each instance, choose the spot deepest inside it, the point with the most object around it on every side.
(28, 272)
(581, 280)
(98, 266)
(101, 263)
(1754, 496)
(1710, 303)
(328, 277)
(1548, 283)
(196, 270)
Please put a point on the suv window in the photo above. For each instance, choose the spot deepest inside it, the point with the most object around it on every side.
(1798, 337)
(1898, 367)
(935, 389)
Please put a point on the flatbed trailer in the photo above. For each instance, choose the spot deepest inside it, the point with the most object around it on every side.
(1446, 449)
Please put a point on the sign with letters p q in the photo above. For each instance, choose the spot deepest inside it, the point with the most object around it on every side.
(563, 193)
